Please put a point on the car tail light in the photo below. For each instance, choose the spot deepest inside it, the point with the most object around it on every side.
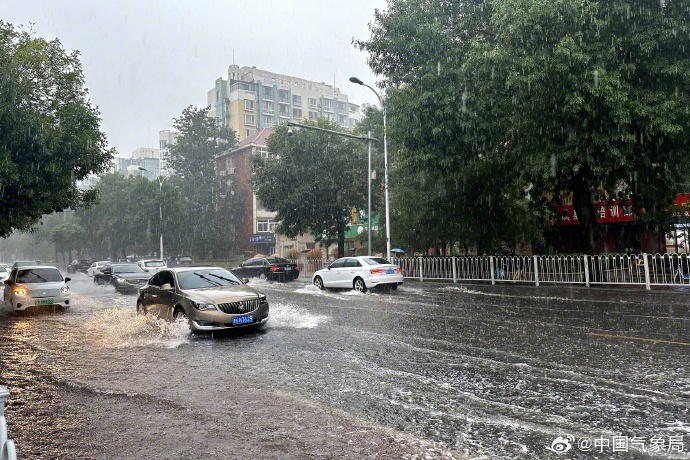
(377, 271)
(275, 269)
(398, 270)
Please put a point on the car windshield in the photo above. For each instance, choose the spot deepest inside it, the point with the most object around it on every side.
(38, 275)
(128, 268)
(375, 261)
(199, 279)
(155, 263)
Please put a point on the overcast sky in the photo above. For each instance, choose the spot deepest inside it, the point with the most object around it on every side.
(144, 61)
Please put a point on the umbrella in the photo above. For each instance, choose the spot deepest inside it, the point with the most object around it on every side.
(401, 251)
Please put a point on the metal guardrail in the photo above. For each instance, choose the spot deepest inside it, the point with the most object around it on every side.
(611, 269)
(7, 450)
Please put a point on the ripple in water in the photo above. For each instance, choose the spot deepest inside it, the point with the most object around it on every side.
(293, 316)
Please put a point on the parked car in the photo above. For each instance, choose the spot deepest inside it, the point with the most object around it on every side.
(272, 268)
(124, 277)
(36, 286)
(359, 273)
(81, 266)
(152, 266)
(96, 267)
(210, 298)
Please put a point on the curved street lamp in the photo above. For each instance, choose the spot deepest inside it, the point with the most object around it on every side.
(385, 166)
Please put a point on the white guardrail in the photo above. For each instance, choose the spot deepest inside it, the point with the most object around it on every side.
(7, 451)
(623, 269)
(611, 269)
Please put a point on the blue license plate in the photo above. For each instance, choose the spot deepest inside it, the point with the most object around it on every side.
(288, 268)
(245, 319)
(390, 271)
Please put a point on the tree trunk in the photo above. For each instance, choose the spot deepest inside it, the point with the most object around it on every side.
(583, 203)
(341, 239)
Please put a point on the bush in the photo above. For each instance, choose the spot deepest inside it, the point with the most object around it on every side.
(294, 254)
(315, 254)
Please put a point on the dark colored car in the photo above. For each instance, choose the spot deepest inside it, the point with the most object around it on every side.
(272, 268)
(210, 298)
(80, 266)
(184, 261)
(124, 277)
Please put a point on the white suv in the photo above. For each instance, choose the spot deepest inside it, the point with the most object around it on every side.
(152, 266)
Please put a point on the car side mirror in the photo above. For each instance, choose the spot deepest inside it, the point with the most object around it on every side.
(67, 279)
(245, 280)
(7, 282)
(166, 287)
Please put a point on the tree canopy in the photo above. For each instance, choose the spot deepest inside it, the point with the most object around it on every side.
(312, 180)
(208, 230)
(49, 131)
(565, 98)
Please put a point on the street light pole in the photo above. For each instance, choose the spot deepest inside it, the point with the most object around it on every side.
(385, 166)
(161, 179)
(369, 139)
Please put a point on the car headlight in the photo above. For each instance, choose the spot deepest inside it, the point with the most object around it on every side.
(65, 290)
(20, 291)
(120, 280)
(262, 297)
(201, 305)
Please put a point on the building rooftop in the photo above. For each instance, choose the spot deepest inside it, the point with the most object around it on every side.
(258, 138)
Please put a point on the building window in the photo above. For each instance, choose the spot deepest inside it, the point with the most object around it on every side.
(249, 105)
(248, 119)
(249, 132)
(296, 100)
(269, 122)
(328, 105)
(342, 107)
(312, 103)
(262, 152)
(283, 110)
(268, 107)
(265, 225)
(284, 96)
(297, 114)
(268, 92)
(313, 116)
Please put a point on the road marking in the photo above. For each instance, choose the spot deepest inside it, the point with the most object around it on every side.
(644, 339)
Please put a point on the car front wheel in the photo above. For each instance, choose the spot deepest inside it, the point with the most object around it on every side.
(140, 309)
(359, 285)
(318, 282)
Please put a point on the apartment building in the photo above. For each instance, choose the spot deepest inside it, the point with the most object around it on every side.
(252, 99)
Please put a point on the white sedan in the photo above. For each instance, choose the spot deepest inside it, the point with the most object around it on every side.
(359, 273)
(96, 267)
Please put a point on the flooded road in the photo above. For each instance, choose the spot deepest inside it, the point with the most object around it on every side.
(429, 371)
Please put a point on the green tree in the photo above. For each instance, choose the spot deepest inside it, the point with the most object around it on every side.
(312, 180)
(569, 98)
(201, 140)
(126, 218)
(49, 131)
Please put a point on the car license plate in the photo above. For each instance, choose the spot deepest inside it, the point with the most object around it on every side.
(390, 271)
(44, 302)
(245, 319)
(288, 268)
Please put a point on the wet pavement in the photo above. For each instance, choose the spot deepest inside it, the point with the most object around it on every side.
(429, 371)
